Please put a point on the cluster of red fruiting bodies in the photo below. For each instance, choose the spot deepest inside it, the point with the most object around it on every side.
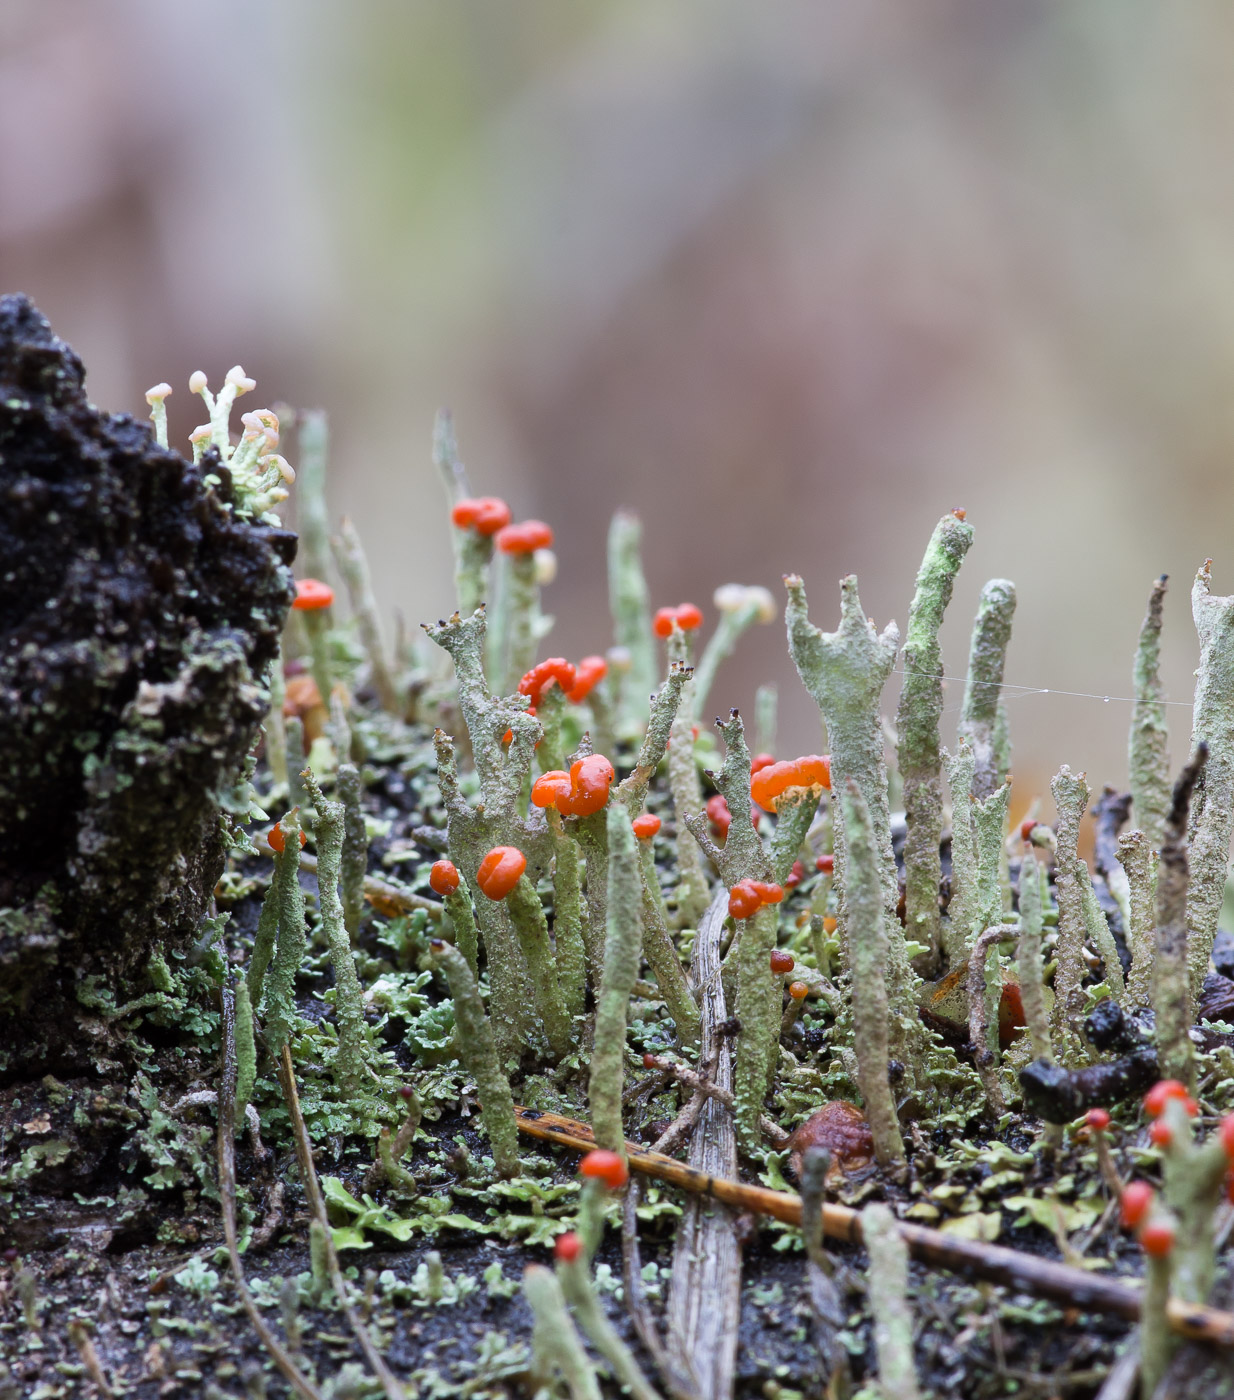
(1154, 1229)
(490, 516)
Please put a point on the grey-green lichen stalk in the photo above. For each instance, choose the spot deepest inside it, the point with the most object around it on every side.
(869, 958)
(845, 672)
(1148, 760)
(1212, 803)
(893, 1316)
(1071, 795)
(1171, 988)
(631, 607)
(917, 721)
(349, 1000)
(979, 720)
(623, 947)
(479, 1055)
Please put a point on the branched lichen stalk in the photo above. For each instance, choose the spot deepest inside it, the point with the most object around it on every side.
(845, 672)
(349, 1000)
(531, 926)
(888, 1291)
(631, 607)
(983, 690)
(868, 952)
(474, 1038)
(1171, 980)
(1135, 856)
(1071, 795)
(623, 948)
(984, 987)
(1029, 962)
(917, 721)
(353, 565)
(1212, 803)
(291, 942)
(632, 790)
(355, 847)
(1148, 759)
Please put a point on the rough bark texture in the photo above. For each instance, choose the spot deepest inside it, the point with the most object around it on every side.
(138, 612)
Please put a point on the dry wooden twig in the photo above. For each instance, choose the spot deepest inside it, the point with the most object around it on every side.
(1026, 1273)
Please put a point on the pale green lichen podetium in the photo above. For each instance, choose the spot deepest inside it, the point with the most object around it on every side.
(740, 606)
(693, 894)
(1212, 804)
(979, 722)
(474, 1038)
(662, 956)
(312, 513)
(989, 823)
(463, 922)
(1071, 794)
(568, 922)
(1029, 962)
(623, 951)
(349, 999)
(867, 939)
(355, 847)
(275, 728)
(888, 1292)
(522, 619)
(297, 797)
(1148, 759)
(291, 941)
(555, 1344)
(1135, 856)
(845, 672)
(1171, 983)
(1097, 927)
(962, 906)
(353, 565)
(917, 720)
(246, 1054)
(472, 551)
(630, 602)
(759, 993)
(578, 1288)
(531, 927)
(766, 710)
(631, 792)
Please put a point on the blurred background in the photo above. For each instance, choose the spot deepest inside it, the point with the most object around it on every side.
(789, 279)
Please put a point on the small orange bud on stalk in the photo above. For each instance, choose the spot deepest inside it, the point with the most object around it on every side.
(646, 826)
(278, 842)
(1136, 1201)
(686, 616)
(567, 1247)
(588, 673)
(826, 864)
(500, 871)
(443, 877)
(1157, 1240)
(778, 779)
(524, 538)
(485, 515)
(312, 595)
(798, 990)
(604, 1166)
(795, 876)
(782, 962)
(1162, 1092)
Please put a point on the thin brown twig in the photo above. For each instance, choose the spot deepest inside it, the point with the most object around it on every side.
(304, 1153)
(700, 1084)
(1026, 1273)
(227, 1192)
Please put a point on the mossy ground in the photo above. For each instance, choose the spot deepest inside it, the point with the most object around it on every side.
(108, 1188)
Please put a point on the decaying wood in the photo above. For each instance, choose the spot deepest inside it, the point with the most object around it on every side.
(1025, 1273)
(704, 1304)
